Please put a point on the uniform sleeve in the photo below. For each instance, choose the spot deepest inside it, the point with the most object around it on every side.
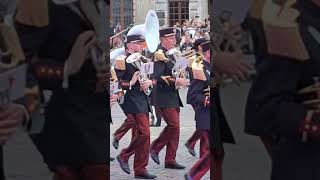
(196, 96)
(49, 73)
(160, 75)
(273, 105)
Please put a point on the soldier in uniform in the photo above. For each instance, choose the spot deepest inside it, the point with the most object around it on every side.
(283, 102)
(191, 142)
(199, 97)
(136, 106)
(56, 41)
(165, 97)
(14, 112)
(229, 64)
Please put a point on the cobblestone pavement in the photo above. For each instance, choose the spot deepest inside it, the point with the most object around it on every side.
(187, 124)
(247, 160)
(23, 161)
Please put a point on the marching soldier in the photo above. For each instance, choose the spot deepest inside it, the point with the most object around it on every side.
(128, 122)
(14, 113)
(199, 97)
(56, 39)
(229, 64)
(165, 97)
(136, 106)
(283, 102)
(191, 142)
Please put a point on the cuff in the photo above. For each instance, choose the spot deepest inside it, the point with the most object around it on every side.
(125, 85)
(154, 83)
(206, 101)
(171, 80)
(309, 128)
(44, 71)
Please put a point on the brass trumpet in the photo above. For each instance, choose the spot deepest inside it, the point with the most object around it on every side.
(137, 59)
(179, 72)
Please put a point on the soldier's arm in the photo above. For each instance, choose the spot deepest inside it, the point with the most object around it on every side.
(196, 95)
(48, 72)
(160, 77)
(273, 102)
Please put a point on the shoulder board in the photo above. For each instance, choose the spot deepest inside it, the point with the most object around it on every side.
(12, 45)
(159, 56)
(198, 71)
(120, 63)
(256, 9)
(33, 13)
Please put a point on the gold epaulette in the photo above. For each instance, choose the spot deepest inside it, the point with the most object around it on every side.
(198, 71)
(282, 25)
(256, 9)
(120, 63)
(159, 56)
(32, 99)
(33, 13)
(10, 46)
(113, 77)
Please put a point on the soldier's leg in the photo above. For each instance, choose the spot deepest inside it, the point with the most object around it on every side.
(295, 160)
(172, 116)
(162, 140)
(123, 129)
(66, 173)
(130, 150)
(200, 168)
(141, 157)
(95, 172)
(204, 142)
(216, 165)
(158, 123)
(193, 139)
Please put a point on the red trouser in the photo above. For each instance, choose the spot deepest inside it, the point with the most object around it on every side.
(194, 138)
(202, 166)
(86, 172)
(124, 128)
(140, 144)
(170, 134)
(217, 161)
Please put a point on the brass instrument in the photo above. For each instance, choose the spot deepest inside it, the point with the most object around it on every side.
(137, 59)
(113, 76)
(177, 71)
(12, 67)
(121, 32)
(151, 31)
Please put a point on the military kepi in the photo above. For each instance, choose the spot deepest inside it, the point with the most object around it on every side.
(136, 34)
(167, 32)
(205, 46)
(198, 42)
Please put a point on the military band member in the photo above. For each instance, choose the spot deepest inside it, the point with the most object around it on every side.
(229, 64)
(56, 41)
(199, 97)
(14, 113)
(165, 97)
(191, 142)
(278, 107)
(136, 106)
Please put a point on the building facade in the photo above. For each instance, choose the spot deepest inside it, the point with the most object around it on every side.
(169, 11)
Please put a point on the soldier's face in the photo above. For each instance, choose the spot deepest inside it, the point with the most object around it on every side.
(207, 56)
(136, 47)
(169, 42)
